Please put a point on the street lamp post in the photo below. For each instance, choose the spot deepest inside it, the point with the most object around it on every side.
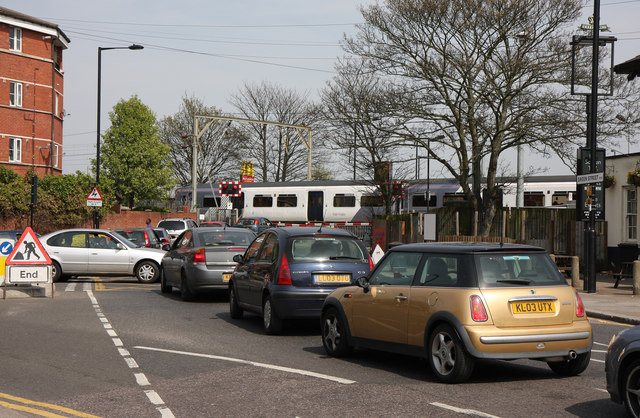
(96, 218)
(429, 167)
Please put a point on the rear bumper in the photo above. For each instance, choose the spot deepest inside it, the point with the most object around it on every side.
(292, 303)
(203, 278)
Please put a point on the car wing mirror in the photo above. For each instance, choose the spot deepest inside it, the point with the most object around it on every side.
(238, 258)
(363, 282)
(119, 246)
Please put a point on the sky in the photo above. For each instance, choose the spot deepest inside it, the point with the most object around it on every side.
(210, 48)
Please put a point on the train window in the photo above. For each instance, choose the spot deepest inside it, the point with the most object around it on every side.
(533, 198)
(371, 200)
(262, 201)
(420, 199)
(211, 202)
(560, 198)
(344, 201)
(287, 201)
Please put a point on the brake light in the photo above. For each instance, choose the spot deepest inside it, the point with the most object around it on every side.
(579, 306)
(478, 312)
(284, 275)
(255, 222)
(146, 240)
(199, 257)
(237, 248)
(370, 263)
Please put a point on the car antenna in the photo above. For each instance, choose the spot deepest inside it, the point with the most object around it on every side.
(320, 229)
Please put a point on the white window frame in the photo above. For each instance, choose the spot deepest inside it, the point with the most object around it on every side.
(15, 94)
(15, 150)
(630, 214)
(56, 155)
(15, 39)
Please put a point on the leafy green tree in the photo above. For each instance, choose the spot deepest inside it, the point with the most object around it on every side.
(134, 157)
(15, 195)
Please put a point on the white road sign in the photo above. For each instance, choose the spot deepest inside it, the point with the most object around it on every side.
(590, 178)
(94, 203)
(18, 273)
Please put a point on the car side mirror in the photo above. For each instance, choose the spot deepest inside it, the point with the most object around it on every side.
(363, 282)
(238, 258)
(119, 246)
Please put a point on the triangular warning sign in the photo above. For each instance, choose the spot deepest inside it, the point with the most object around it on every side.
(95, 194)
(28, 250)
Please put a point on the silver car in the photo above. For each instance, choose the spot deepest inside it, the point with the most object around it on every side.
(201, 259)
(100, 252)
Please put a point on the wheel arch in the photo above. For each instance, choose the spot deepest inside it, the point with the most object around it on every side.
(448, 318)
(632, 354)
(332, 302)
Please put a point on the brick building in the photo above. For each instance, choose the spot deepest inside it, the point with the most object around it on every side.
(31, 93)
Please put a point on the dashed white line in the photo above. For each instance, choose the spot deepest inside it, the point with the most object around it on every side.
(141, 379)
(598, 361)
(463, 411)
(253, 363)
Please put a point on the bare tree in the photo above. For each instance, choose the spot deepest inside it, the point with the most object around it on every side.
(488, 75)
(277, 152)
(218, 150)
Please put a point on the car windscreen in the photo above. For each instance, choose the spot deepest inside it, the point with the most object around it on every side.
(124, 240)
(510, 269)
(225, 237)
(171, 225)
(308, 248)
(246, 222)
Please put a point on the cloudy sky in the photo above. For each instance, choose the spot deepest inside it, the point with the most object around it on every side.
(210, 48)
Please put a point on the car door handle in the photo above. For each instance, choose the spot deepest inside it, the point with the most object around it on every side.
(401, 298)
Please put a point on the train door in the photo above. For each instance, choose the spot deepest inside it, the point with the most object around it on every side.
(315, 207)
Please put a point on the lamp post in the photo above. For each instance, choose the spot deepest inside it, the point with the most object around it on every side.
(429, 167)
(96, 218)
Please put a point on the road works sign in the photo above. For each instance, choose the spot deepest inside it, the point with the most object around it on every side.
(94, 198)
(29, 261)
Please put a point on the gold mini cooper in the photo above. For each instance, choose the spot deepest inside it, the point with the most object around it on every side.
(456, 302)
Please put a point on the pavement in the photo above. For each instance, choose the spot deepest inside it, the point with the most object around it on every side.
(614, 304)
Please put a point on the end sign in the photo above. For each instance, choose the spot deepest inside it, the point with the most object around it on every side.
(28, 262)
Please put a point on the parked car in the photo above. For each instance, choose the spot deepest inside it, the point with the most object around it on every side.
(163, 236)
(201, 259)
(12, 234)
(622, 368)
(142, 237)
(287, 272)
(257, 225)
(100, 252)
(454, 303)
(213, 223)
(175, 226)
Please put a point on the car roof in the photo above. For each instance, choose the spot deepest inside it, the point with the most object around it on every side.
(466, 247)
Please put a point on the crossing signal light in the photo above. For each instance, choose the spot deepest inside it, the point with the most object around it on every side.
(229, 188)
(397, 189)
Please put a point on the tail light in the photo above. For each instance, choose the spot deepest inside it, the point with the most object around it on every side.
(199, 257)
(146, 240)
(478, 312)
(370, 263)
(255, 222)
(579, 306)
(284, 275)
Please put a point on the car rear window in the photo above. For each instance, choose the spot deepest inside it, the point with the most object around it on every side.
(517, 269)
(217, 238)
(246, 222)
(308, 248)
(171, 225)
(136, 237)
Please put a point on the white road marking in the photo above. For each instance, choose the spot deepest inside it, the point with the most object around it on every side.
(602, 390)
(599, 361)
(141, 379)
(598, 351)
(154, 397)
(71, 287)
(253, 363)
(463, 411)
(605, 345)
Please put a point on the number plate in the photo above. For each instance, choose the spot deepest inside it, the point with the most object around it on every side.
(533, 307)
(332, 278)
(226, 277)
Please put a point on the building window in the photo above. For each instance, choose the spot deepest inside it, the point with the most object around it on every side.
(15, 39)
(15, 150)
(15, 94)
(56, 155)
(631, 215)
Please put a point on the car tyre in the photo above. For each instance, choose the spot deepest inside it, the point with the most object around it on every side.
(334, 334)
(186, 293)
(234, 309)
(164, 287)
(56, 272)
(571, 367)
(447, 356)
(147, 272)
(631, 389)
(272, 324)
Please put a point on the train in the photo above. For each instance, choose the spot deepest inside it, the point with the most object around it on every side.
(349, 201)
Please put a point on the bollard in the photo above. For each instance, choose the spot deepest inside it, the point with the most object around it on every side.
(636, 277)
(575, 271)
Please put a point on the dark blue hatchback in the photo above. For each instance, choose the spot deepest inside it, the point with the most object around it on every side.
(288, 272)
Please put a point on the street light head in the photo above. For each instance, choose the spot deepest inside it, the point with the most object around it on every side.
(136, 46)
